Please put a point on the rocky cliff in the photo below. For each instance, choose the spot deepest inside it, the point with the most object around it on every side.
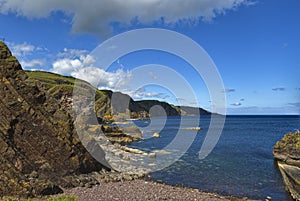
(287, 156)
(39, 146)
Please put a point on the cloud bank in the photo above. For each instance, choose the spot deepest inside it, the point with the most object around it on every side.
(24, 49)
(95, 16)
(80, 65)
(142, 93)
(33, 64)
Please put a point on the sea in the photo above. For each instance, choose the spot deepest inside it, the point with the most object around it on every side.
(241, 164)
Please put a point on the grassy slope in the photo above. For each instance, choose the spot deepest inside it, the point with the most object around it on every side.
(55, 82)
(58, 85)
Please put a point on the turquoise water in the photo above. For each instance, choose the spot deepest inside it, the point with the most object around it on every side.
(241, 164)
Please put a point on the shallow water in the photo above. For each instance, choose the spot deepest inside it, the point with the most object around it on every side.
(241, 164)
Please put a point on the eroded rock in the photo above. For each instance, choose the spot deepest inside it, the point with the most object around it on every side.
(37, 136)
(287, 155)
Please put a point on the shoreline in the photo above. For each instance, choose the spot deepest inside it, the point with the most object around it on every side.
(141, 189)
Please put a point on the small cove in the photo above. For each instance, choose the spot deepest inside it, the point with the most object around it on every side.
(241, 164)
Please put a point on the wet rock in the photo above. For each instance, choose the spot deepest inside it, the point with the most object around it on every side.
(121, 135)
(49, 190)
(152, 155)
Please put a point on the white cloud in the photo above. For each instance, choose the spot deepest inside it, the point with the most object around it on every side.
(104, 80)
(21, 50)
(236, 104)
(88, 60)
(71, 53)
(142, 94)
(95, 16)
(33, 64)
(72, 60)
(81, 65)
(24, 49)
(67, 66)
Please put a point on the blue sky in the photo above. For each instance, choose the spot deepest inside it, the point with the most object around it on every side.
(254, 45)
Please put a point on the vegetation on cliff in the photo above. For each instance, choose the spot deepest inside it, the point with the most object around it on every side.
(289, 144)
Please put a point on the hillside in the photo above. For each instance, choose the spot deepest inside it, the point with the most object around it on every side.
(61, 87)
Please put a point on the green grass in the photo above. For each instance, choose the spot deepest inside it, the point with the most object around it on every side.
(50, 79)
(42, 75)
(11, 59)
(56, 83)
(53, 79)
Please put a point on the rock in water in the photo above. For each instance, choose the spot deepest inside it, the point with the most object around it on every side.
(38, 143)
(156, 135)
(287, 156)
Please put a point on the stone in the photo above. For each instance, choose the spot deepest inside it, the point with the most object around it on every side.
(156, 135)
(152, 155)
(34, 174)
(50, 190)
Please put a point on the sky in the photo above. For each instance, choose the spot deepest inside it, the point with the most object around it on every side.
(254, 45)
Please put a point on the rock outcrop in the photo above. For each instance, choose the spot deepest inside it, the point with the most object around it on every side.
(287, 156)
(39, 146)
(109, 107)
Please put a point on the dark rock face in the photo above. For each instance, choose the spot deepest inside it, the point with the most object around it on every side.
(287, 155)
(36, 136)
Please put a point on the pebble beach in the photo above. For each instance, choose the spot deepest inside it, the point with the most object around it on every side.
(142, 190)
